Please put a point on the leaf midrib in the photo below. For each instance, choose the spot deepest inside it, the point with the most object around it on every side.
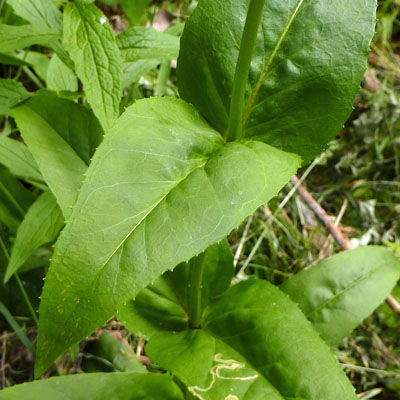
(343, 291)
(269, 62)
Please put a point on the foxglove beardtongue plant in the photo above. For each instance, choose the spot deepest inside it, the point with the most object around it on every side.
(264, 86)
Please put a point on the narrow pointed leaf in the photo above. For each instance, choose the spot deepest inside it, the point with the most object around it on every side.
(306, 70)
(337, 294)
(258, 329)
(62, 137)
(99, 386)
(91, 43)
(161, 188)
(16, 157)
(41, 225)
(11, 93)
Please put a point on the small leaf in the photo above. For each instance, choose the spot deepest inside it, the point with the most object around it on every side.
(141, 43)
(62, 137)
(41, 13)
(41, 225)
(16, 157)
(135, 10)
(60, 77)
(91, 43)
(254, 344)
(337, 294)
(164, 306)
(38, 61)
(99, 386)
(11, 93)
(133, 71)
(161, 188)
(306, 69)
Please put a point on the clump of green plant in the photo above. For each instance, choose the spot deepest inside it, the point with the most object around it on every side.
(149, 196)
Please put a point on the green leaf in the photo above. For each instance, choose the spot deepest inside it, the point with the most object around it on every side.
(60, 77)
(135, 10)
(164, 306)
(337, 294)
(11, 93)
(91, 44)
(41, 225)
(175, 189)
(62, 137)
(41, 13)
(10, 59)
(254, 344)
(99, 386)
(140, 43)
(306, 69)
(21, 36)
(14, 200)
(111, 354)
(16, 157)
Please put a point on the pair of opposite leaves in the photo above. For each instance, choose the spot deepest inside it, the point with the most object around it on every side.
(164, 185)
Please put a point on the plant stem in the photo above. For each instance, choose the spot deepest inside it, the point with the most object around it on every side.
(247, 45)
(196, 278)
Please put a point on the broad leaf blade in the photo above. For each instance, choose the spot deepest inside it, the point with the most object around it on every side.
(91, 44)
(99, 386)
(11, 93)
(62, 137)
(38, 12)
(174, 188)
(164, 305)
(15, 37)
(258, 328)
(306, 70)
(337, 294)
(41, 225)
(16, 157)
(141, 43)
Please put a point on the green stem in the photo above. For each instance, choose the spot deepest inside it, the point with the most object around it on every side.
(247, 45)
(196, 278)
(21, 286)
(162, 79)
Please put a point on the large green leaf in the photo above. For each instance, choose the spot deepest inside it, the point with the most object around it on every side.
(98, 386)
(11, 93)
(14, 200)
(164, 306)
(38, 12)
(15, 37)
(62, 137)
(41, 225)
(307, 67)
(16, 157)
(91, 43)
(339, 292)
(140, 43)
(161, 188)
(254, 344)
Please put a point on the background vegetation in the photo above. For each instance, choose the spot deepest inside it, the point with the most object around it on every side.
(356, 181)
